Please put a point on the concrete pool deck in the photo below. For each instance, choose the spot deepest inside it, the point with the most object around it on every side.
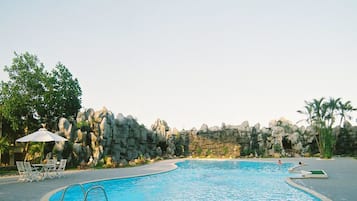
(341, 184)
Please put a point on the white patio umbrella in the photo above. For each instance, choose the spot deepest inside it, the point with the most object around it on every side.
(42, 135)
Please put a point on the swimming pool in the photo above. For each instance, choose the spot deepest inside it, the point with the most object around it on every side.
(202, 180)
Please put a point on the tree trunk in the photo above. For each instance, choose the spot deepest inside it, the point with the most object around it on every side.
(0, 133)
(326, 143)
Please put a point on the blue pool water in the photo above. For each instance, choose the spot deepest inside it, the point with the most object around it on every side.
(198, 180)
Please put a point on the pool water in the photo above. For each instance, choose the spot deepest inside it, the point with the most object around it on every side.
(201, 180)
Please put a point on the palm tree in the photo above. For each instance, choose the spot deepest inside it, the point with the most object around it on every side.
(344, 109)
(312, 111)
(321, 116)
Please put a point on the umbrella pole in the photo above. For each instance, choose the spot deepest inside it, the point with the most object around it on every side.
(43, 151)
(26, 150)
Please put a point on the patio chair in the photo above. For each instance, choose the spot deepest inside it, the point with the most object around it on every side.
(21, 169)
(61, 168)
(31, 173)
(51, 169)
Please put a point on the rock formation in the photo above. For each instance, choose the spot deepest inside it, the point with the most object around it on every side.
(98, 137)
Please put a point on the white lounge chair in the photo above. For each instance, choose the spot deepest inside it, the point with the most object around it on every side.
(61, 168)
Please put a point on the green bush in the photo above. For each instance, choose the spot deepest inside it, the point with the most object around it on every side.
(277, 148)
(199, 151)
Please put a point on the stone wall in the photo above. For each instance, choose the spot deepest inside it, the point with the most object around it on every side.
(100, 137)
(280, 139)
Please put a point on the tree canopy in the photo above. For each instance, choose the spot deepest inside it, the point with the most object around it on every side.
(33, 96)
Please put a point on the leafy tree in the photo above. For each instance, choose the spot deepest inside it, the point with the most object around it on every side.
(22, 94)
(61, 98)
(322, 115)
(33, 96)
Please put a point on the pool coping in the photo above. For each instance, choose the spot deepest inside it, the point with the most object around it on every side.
(290, 181)
(172, 166)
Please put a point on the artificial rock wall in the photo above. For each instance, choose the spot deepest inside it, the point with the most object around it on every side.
(96, 135)
(99, 136)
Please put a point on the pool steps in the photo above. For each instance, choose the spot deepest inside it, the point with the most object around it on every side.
(85, 193)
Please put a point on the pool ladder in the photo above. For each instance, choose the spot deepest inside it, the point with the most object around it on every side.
(85, 193)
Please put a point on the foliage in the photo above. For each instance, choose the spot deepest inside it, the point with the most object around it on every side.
(246, 151)
(4, 144)
(322, 115)
(225, 150)
(83, 126)
(199, 151)
(21, 95)
(208, 152)
(62, 97)
(34, 152)
(345, 142)
(277, 148)
(8, 172)
(33, 96)
(8, 132)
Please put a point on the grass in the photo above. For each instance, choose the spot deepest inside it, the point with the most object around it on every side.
(317, 172)
(8, 173)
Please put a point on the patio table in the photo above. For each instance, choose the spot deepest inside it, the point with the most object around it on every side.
(45, 169)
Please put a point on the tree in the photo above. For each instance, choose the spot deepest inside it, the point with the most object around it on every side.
(22, 94)
(33, 96)
(62, 97)
(4, 145)
(322, 116)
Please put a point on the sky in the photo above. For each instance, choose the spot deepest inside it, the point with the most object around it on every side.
(191, 62)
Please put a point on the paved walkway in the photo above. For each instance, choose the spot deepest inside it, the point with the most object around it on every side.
(341, 184)
(342, 181)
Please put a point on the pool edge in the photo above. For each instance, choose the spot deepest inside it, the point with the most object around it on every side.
(173, 166)
(291, 182)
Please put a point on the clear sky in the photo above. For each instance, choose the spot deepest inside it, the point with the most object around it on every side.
(191, 62)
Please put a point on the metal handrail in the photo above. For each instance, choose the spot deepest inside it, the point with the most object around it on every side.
(95, 187)
(70, 186)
